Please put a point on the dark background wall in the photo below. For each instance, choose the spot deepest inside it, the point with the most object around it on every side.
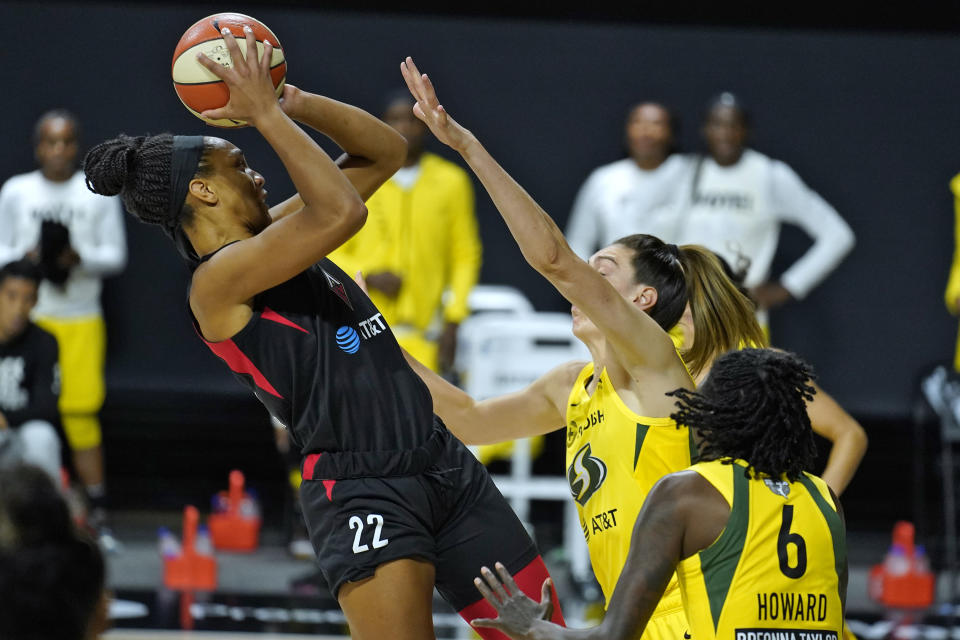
(868, 119)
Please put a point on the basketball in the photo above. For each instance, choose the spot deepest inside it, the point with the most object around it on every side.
(197, 88)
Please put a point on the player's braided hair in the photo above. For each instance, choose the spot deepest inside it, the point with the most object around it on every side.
(139, 169)
(752, 407)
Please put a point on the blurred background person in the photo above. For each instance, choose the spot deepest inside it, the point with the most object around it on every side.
(638, 194)
(420, 241)
(29, 376)
(737, 200)
(952, 295)
(52, 577)
(78, 237)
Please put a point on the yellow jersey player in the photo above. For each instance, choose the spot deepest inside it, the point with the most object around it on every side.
(758, 542)
(620, 438)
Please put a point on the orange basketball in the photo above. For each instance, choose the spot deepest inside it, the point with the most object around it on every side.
(197, 88)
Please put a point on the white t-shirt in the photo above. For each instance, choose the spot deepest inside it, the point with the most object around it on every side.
(96, 234)
(739, 209)
(620, 199)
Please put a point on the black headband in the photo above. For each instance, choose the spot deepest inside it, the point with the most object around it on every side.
(187, 151)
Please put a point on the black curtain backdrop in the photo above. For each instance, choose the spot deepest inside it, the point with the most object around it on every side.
(867, 119)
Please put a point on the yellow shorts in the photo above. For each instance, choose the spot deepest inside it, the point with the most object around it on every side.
(83, 347)
(669, 620)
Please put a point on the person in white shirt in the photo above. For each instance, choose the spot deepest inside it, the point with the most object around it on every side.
(89, 244)
(638, 194)
(738, 199)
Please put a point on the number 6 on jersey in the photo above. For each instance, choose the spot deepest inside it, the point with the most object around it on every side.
(786, 538)
(357, 523)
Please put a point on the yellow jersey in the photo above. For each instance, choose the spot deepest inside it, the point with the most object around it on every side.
(773, 573)
(952, 294)
(614, 457)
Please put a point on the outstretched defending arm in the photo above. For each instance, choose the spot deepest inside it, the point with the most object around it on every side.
(636, 337)
(536, 410)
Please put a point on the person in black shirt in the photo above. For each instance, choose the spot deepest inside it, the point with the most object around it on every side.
(393, 503)
(29, 375)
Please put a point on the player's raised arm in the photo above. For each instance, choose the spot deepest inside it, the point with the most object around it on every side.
(372, 150)
(635, 336)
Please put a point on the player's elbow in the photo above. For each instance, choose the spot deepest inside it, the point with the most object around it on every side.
(858, 438)
(554, 261)
(351, 215)
(394, 151)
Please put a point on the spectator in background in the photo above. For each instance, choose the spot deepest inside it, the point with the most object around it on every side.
(638, 194)
(78, 237)
(420, 240)
(952, 295)
(738, 199)
(52, 578)
(29, 377)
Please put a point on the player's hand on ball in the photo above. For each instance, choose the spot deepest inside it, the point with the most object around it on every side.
(430, 111)
(517, 615)
(251, 88)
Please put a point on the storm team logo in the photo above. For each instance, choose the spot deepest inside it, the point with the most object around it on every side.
(778, 487)
(585, 475)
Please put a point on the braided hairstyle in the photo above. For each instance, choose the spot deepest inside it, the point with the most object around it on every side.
(139, 169)
(752, 407)
(657, 264)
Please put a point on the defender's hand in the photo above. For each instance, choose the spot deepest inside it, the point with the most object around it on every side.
(517, 615)
(430, 111)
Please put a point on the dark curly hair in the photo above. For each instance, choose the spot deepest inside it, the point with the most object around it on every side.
(139, 169)
(752, 407)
